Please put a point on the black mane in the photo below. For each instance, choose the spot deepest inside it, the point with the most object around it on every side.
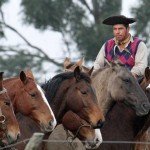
(52, 85)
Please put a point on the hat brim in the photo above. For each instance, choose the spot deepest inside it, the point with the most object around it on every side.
(118, 20)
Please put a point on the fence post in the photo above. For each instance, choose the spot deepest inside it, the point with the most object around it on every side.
(34, 142)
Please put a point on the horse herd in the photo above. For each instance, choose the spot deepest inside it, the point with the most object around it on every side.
(107, 105)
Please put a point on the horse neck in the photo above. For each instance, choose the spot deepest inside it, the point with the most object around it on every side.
(58, 104)
(100, 83)
(119, 120)
(12, 87)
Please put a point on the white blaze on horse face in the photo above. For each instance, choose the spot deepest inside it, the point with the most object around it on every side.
(45, 100)
(98, 137)
(93, 144)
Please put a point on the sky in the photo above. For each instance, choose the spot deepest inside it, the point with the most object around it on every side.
(49, 41)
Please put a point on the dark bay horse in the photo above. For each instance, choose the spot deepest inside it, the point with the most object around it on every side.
(73, 91)
(9, 127)
(123, 101)
(28, 98)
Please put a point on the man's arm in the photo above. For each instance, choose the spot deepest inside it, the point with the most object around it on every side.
(141, 60)
(100, 59)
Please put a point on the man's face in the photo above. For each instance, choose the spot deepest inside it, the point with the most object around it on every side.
(120, 32)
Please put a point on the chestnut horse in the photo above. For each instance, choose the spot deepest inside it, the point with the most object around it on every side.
(144, 134)
(73, 91)
(28, 98)
(9, 128)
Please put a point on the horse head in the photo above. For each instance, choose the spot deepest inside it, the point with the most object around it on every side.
(119, 85)
(9, 127)
(82, 100)
(28, 98)
(72, 91)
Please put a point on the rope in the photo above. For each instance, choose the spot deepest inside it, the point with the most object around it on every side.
(66, 141)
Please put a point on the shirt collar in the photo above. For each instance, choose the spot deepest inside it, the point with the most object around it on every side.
(126, 44)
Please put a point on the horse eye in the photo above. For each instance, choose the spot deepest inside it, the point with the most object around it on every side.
(33, 95)
(127, 80)
(83, 92)
(7, 103)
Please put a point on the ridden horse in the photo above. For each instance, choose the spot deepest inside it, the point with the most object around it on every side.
(9, 127)
(28, 98)
(144, 134)
(73, 91)
(123, 100)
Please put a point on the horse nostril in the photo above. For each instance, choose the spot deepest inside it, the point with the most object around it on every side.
(100, 124)
(18, 136)
(146, 106)
(51, 122)
(97, 140)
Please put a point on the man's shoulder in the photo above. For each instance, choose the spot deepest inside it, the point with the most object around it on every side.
(110, 41)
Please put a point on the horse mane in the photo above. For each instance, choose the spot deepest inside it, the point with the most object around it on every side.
(53, 84)
(99, 70)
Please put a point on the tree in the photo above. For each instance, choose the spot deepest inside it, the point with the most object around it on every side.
(78, 20)
(142, 28)
(16, 58)
(79, 23)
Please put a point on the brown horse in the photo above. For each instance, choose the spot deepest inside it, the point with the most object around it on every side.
(9, 128)
(28, 98)
(144, 134)
(73, 91)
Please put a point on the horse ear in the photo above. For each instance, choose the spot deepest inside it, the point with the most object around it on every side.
(1, 81)
(77, 72)
(90, 71)
(147, 73)
(87, 70)
(66, 62)
(80, 62)
(29, 74)
(23, 77)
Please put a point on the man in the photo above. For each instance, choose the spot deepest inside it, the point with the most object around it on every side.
(131, 51)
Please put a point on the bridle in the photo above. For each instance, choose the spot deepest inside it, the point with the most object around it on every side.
(70, 137)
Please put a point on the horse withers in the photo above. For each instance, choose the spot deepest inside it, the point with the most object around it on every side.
(9, 127)
(28, 98)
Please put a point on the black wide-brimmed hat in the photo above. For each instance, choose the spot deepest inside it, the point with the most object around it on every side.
(118, 20)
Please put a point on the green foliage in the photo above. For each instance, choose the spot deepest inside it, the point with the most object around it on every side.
(78, 20)
(1, 29)
(142, 13)
(2, 2)
(15, 60)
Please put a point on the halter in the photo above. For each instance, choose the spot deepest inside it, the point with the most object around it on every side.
(70, 138)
